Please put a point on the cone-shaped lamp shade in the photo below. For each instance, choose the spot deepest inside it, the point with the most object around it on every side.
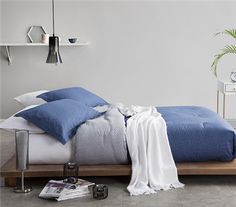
(53, 54)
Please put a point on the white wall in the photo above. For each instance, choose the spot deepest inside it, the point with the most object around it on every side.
(1, 89)
(146, 53)
(0, 64)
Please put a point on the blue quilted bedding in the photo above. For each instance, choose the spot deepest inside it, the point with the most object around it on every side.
(198, 134)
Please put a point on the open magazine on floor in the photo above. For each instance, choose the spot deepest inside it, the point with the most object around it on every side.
(59, 190)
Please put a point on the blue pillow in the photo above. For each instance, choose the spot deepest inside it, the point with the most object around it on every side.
(59, 118)
(75, 93)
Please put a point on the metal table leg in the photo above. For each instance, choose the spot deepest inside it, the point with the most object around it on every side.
(224, 106)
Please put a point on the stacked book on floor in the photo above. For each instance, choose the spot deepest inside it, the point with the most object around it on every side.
(59, 190)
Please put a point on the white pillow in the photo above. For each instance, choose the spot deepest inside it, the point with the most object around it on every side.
(29, 99)
(18, 123)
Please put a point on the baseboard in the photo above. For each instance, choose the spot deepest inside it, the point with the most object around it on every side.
(232, 122)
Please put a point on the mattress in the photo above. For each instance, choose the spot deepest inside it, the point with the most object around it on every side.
(196, 134)
(45, 149)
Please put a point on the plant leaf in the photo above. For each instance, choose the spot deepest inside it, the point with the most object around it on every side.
(229, 49)
(230, 32)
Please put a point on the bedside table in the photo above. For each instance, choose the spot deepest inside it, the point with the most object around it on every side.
(226, 88)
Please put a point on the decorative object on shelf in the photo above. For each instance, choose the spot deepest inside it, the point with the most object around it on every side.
(100, 191)
(22, 158)
(53, 54)
(233, 76)
(35, 33)
(229, 49)
(45, 38)
(72, 40)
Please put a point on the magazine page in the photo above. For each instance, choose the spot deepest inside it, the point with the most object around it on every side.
(66, 197)
(53, 189)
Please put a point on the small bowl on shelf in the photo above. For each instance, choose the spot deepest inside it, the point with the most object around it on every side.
(72, 40)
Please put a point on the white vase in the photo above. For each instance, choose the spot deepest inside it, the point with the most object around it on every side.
(45, 38)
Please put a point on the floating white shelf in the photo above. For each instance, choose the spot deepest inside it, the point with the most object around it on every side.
(41, 44)
(9, 45)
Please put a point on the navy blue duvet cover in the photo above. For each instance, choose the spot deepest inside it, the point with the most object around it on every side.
(197, 134)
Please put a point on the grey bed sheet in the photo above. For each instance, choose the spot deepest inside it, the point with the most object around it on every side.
(195, 134)
(102, 140)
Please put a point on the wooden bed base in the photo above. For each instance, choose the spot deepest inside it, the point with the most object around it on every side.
(9, 172)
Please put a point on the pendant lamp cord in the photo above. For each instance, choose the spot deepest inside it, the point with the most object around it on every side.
(53, 21)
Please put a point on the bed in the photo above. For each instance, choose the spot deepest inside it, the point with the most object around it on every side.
(196, 134)
(201, 142)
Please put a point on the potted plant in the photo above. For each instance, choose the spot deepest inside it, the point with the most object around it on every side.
(228, 49)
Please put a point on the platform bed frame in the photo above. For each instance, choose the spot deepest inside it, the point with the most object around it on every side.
(9, 172)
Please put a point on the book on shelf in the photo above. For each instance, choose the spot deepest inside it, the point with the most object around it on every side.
(59, 190)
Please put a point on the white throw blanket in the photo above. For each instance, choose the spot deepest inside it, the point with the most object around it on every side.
(153, 167)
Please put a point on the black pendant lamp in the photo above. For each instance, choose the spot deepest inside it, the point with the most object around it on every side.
(53, 54)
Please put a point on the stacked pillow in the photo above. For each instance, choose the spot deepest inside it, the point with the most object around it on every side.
(30, 98)
(19, 123)
(76, 93)
(66, 109)
(59, 118)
